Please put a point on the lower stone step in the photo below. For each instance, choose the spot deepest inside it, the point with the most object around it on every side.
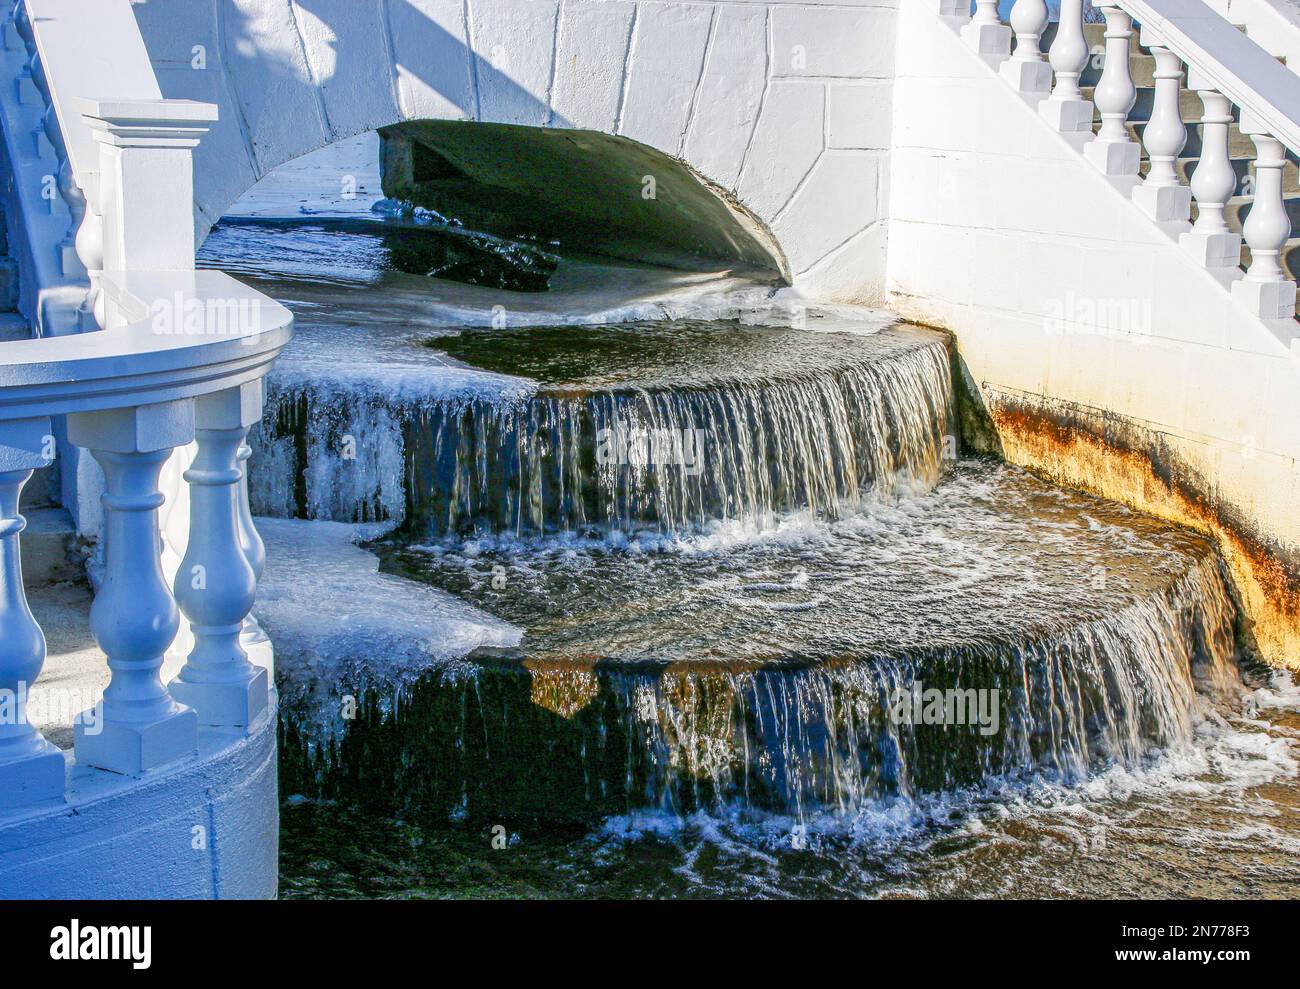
(49, 548)
(8, 285)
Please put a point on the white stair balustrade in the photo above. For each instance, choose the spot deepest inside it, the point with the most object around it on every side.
(1066, 109)
(216, 583)
(1266, 290)
(31, 769)
(1161, 195)
(987, 34)
(1026, 70)
(1113, 151)
(138, 726)
(1214, 181)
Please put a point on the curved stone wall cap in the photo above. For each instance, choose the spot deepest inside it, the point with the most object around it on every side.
(190, 333)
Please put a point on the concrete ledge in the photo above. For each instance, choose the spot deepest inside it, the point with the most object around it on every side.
(207, 829)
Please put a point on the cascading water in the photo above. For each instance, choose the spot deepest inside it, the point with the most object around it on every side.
(691, 522)
(705, 422)
(769, 624)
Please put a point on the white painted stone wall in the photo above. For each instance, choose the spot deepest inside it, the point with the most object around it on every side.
(784, 105)
(998, 225)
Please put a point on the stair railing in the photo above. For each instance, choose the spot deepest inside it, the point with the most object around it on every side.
(180, 359)
(1225, 68)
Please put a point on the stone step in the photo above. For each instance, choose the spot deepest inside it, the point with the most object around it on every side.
(49, 547)
(8, 285)
(14, 327)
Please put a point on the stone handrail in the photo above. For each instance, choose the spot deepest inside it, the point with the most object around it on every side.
(168, 357)
(1225, 68)
(1229, 61)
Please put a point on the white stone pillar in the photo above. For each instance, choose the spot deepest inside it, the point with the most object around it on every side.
(1066, 109)
(1266, 290)
(146, 183)
(1162, 195)
(1213, 183)
(1026, 70)
(216, 584)
(1113, 151)
(138, 726)
(987, 34)
(31, 769)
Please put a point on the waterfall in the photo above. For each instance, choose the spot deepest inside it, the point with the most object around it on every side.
(662, 454)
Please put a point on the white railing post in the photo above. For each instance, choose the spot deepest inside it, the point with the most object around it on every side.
(1113, 151)
(1266, 291)
(1066, 109)
(145, 170)
(31, 769)
(216, 583)
(1214, 181)
(1026, 70)
(1161, 195)
(138, 726)
(987, 34)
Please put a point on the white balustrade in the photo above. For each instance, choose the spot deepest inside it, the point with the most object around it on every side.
(1113, 151)
(987, 34)
(31, 769)
(1266, 290)
(138, 726)
(1162, 195)
(1066, 109)
(1214, 181)
(1025, 69)
(216, 583)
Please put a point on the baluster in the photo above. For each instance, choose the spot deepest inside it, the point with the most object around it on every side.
(1026, 70)
(1113, 151)
(36, 69)
(987, 34)
(1066, 109)
(31, 769)
(1164, 198)
(24, 89)
(12, 39)
(1213, 183)
(1266, 290)
(255, 641)
(216, 583)
(89, 244)
(138, 726)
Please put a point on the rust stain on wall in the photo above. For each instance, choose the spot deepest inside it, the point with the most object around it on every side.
(1117, 459)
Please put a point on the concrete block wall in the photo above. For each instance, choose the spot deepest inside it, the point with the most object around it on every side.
(783, 106)
(1107, 357)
